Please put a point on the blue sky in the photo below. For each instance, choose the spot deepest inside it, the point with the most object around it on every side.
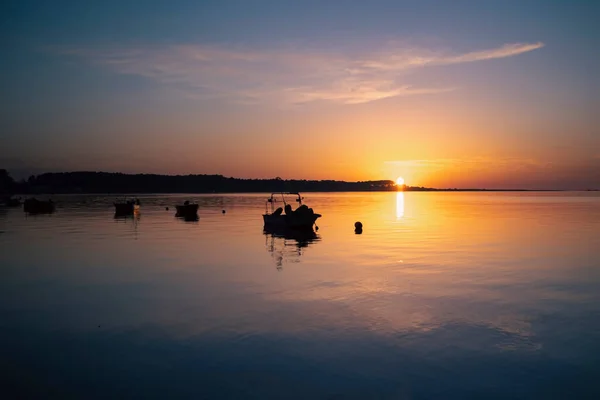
(219, 86)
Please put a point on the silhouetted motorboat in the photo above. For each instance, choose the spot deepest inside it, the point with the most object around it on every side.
(127, 208)
(187, 210)
(301, 218)
(35, 206)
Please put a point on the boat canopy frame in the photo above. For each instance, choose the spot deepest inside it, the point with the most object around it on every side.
(273, 199)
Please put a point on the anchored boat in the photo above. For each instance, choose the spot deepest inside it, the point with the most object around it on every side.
(11, 201)
(35, 206)
(300, 218)
(128, 207)
(187, 209)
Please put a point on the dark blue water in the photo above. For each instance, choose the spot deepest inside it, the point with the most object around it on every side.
(443, 296)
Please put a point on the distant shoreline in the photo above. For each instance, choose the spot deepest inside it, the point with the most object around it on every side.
(121, 194)
(107, 183)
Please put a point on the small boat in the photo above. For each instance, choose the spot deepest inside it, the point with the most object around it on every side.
(128, 207)
(187, 209)
(35, 206)
(300, 218)
(12, 202)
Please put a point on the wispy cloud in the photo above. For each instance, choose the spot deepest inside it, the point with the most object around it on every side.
(404, 59)
(297, 76)
(508, 50)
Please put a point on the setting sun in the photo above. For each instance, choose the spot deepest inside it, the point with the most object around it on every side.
(400, 181)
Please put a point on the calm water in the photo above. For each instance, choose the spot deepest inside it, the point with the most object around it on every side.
(444, 295)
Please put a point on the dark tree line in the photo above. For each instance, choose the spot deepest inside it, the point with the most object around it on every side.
(104, 182)
(7, 183)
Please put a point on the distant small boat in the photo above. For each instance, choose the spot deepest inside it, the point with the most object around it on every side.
(187, 209)
(35, 206)
(11, 202)
(129, 207)
(301, 218)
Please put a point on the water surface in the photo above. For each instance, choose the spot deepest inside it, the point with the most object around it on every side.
(444, 295)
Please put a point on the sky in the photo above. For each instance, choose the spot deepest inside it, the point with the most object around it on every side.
(482, 93)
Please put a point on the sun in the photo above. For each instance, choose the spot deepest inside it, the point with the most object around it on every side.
(400, 181)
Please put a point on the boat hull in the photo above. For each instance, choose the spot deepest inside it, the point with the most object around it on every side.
(33, 206)
(187, 210)
(290, 221)
(302, 236)
(126, 208)
(13, 203)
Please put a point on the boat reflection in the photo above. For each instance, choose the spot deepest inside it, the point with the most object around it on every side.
(127, 217)
(134, 219)
(188, 218)
(288, 245)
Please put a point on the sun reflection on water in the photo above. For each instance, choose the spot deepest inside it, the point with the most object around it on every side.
(399, 205)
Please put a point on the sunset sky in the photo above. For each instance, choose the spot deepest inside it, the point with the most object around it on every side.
(446, 93)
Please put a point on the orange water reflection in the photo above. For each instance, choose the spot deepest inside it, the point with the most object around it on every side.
(491, 287)
(466, 258)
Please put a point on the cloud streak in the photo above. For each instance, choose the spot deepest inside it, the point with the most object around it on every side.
(288, 76)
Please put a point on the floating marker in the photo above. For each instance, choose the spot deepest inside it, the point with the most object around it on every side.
(358, 227)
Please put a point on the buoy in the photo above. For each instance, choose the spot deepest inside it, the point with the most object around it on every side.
(358, 227)
(223, 211)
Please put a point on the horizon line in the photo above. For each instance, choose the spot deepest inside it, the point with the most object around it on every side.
(424, 188)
